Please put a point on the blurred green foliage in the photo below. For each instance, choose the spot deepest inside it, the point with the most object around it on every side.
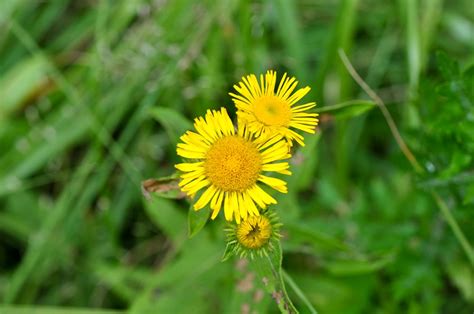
(94, 94)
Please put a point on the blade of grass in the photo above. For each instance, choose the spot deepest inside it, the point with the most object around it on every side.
(414, 57)
(342, 29)
(36, 249)
(80, 200)
(431, 17)
(341, 37)
(391, 123)
(347, 109)
(413, 41)
(298, 291)
(448, 216)
(88, 195)
(289, 29)
(102, 134)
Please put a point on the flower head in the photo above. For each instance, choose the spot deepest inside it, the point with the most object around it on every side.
(230, 164)
(266, 112)
(253, 236)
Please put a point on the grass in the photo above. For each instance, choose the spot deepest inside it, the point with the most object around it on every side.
(95, 94)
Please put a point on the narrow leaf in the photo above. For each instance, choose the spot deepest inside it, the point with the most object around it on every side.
(164, 214)
(347, 109)
(174, 123)
(354, 267)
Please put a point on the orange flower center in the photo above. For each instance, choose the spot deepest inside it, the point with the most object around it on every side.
(272, 111)
(233, 164)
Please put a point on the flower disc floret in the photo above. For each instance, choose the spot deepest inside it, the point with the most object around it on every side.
(233, 164)
(272, 111)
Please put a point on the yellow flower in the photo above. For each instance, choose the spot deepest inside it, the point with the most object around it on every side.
(266, 112)
(254, 232)
(255, 236)
(230, 165)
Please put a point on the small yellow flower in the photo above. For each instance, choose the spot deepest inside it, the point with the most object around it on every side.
(254, 232)
(230, 165)
(254, 236)
(266, 112)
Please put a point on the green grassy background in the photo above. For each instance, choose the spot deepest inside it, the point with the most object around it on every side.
(94, 95)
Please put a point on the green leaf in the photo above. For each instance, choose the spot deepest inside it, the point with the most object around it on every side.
(459, 161)
(355, 267)
(166, 216)
(174, 123)
(22, 81)
(197, 219)
(301, 233)
(461, 275)
(122, 280)
(448, 67)
(347, 109)
(469, 196)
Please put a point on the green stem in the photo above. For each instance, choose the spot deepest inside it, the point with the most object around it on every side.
(286, 306)
(410, 157)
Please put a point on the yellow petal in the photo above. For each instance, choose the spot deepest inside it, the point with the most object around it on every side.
(216, 203)
(275, 183)
(187, 167)
(228, 210)
(205, 197)
(243, 209)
